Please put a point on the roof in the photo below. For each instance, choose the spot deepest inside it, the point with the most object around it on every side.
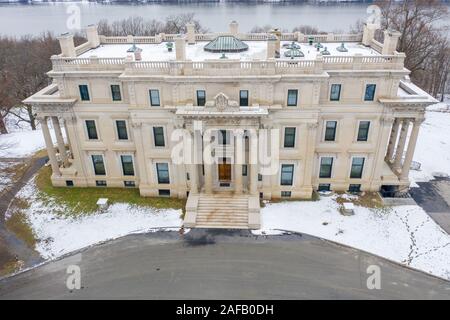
(226, 44)
(257, 50)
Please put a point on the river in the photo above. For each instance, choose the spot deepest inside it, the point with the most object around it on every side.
(22, 19)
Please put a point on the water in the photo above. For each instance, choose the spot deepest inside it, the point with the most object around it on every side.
(21, 19)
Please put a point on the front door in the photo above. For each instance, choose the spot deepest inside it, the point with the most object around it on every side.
(224, 171)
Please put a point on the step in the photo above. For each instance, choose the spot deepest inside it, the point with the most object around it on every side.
(226, 210)
(217, 202)
(221, 227)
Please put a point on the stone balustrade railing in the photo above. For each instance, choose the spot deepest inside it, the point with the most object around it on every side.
(296, 36)
(232, 67)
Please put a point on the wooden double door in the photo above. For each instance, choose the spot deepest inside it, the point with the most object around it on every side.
(224, 169)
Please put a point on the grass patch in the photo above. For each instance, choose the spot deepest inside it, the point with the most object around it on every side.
(40, 154)
(10, 267)
(365, 199)
(314, 197)
(17, 222)
(83, 200)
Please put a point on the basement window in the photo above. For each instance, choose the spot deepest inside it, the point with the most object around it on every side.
(285, 194)
(100, 183)
(69, 183)
(164, 192)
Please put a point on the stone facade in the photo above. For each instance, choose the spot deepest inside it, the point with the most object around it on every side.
(344, 122)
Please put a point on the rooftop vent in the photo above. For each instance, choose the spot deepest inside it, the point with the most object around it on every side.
(134, 49)
(226, 44)
(293, 53)
(342, 48)
(325, 52)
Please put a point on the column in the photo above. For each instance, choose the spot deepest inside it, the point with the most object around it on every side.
(253, 163)
(411, 147)
(140, 153)
(309, 156)
(392, 140)
(239, 154)
(207, 161)
(193, 165)
(60, 141)
(384, 136)
(401, 144)
(49, 145)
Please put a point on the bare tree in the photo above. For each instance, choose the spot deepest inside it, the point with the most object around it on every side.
(423, 38)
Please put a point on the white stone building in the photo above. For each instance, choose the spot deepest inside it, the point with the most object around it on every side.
(340, 109)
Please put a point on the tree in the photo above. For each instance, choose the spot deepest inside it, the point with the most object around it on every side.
(423, 38)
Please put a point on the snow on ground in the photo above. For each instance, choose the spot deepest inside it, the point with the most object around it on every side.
(405, 234)
(22, 143)
(433, 144)
(58, 235)
(5, 177)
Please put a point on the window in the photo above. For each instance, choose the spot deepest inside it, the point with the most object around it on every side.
(158, 135)
(122, 133)
(163, 172)
(259, 177)
(91, 130)
(127, 165)
(287, 174)
(129, 184)
(357, 168)
(335, 93)
(100, 183)
(330, 130)
(285, 194)
(154, 98)
(370, 92)
(292, 98)
(326, 166)
(363, 130)
(289, 137)
(99, 165)
(84, 92)
(115, 92)
(201, 98)
(354, 188)
(243, 98)
(244, 170)
(224, 137)
(324, 187)
(69, 183)
(164, 192)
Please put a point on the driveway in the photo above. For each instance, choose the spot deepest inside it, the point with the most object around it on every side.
(434, 197)
(212, 264)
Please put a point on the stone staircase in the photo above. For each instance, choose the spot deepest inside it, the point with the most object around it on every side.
(222, 210)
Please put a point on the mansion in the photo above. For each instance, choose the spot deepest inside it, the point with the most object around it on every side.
(328, 112)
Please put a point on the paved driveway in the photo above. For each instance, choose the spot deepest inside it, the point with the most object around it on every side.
(222, 265)
(434, 197)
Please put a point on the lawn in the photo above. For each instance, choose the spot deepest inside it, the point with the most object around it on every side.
(83, 200)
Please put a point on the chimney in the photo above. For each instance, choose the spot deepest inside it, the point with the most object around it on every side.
(390, 41)
(234, 26)
(180, 48)
(369, 33)
(277, 34)
(190, 27)
(271, 46)
(67, 45)
(92, 36)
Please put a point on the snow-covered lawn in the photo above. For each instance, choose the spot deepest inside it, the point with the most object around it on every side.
(405, 234)
(22, 143)
(57, 234)
(433, 145)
